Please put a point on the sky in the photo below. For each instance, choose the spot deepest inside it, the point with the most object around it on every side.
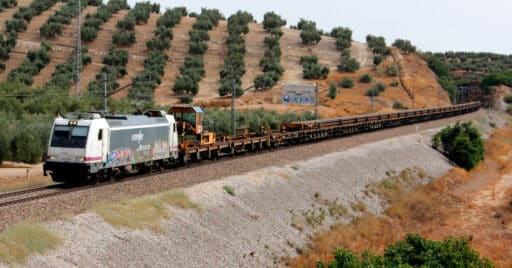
(434, 25)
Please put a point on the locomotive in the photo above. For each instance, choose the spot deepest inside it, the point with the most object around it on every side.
(92, 146)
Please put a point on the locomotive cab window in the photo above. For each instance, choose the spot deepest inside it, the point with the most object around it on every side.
(69, 136)
(100, 134)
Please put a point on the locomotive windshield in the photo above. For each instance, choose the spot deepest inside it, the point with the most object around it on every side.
(69, 136)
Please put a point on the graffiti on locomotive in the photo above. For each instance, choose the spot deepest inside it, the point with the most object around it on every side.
(137, 145)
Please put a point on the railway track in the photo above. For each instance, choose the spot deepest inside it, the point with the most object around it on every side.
(25, 195)
(39, 193)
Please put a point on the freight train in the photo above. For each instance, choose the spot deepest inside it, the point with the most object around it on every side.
(89, 147)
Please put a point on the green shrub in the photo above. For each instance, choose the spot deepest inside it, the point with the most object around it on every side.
(312, 70)
(508, 99)
(309, 59)
(398, 106)
(394, 83)
(88, 33)
(365, 78)
(497, 78)
(378, 45)
(197, 48)
(32, 65)
(271, 21)
(234, 66)
(198, 35)
(348, 64)
(377, 59)
(8, 3)
(93, 23)
(391, 70)
(333, 91)
(343, 37)
(380, 87)
(413, 251)
(50, 29)
(462, 143)
(124, 38)
(346, 83)
(16, 25)
(404, 45)
(64, 73)
(309, 33)
(229, 189)
(315, 71)
(438, 66)
(372, 92)
(509, 109)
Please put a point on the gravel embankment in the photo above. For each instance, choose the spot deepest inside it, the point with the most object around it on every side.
(256, 227)
(55, 207)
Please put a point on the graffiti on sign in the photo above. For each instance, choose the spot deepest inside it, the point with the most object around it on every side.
(298, 94)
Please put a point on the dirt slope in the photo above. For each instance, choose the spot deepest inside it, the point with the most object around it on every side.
(99, 48)
(8, 12)
(63, 47)
(177, 54)
(28, 40)
(213, 61)
(255, 51)
(138, 52)
(418, 80)
(414, 79)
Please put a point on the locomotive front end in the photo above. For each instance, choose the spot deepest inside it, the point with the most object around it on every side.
(74, 148)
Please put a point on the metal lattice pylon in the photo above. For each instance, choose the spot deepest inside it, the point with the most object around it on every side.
(78, 52)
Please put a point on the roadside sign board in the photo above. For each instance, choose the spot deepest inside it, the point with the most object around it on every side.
(298, 94)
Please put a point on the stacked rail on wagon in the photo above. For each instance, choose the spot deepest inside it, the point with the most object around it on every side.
(306, 131)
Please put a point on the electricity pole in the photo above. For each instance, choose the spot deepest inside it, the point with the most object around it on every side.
(233, 97)
(438, 97)
(371, 103)
(316, 102)
(412, 87)
(105, 91)
(78, 63)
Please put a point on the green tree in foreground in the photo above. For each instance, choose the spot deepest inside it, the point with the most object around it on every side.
(462, 143)
(414, 251)
(333, 91)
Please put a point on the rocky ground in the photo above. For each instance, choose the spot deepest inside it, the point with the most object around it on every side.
(266, 220)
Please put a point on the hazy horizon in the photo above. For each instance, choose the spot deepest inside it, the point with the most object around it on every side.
(435, 25)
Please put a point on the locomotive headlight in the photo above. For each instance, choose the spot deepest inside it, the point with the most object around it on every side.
(81, 159)
(50, 157)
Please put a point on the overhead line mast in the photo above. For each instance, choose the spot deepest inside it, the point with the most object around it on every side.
(78, 59)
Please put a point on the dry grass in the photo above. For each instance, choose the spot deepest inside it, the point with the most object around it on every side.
(283, 174)
(24, 184)
(392, 188)
(145, 212)
(178, 198)
(16, 176)
(460, 204)
(358, 206)
(19, 241)
(135, 213)
(13, 179)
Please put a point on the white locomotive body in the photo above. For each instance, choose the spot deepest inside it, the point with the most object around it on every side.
(89, 147)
